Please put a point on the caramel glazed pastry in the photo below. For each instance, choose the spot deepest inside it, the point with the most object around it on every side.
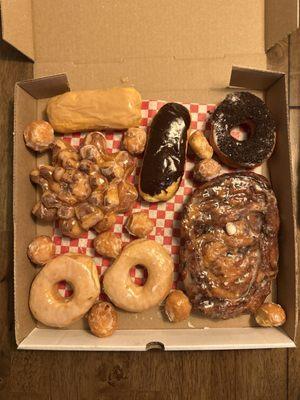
(230, 251)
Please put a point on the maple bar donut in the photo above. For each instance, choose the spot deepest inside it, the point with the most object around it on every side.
(89, 110)
(164, 158)
(238, 109)
(47, 306)
(127, 295)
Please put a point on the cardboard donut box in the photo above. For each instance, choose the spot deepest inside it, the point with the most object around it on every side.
(174, 50)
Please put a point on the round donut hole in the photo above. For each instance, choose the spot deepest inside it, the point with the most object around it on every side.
(243, 131)
(138, 275)
(65, 290)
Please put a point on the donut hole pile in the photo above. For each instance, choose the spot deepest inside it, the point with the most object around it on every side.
(84, 188)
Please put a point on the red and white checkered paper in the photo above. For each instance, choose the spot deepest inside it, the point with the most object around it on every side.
(166, 215)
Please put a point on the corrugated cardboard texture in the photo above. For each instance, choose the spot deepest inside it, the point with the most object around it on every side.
(281, 177)
(200, 81)
(25, 22)
(253, 78)
(24, 226)
(25, 196)
(98, 31)
(46, 87)
(281, 18)
(27, 26)
(131, 340)
(181, 68)
(108, 42)
(17, 25)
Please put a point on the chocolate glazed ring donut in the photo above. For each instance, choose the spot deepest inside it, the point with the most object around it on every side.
(243, 108)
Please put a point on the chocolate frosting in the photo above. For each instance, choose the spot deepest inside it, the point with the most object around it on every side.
(236, 109)
(164, 158)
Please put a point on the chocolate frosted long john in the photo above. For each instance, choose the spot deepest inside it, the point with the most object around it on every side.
(164, 159)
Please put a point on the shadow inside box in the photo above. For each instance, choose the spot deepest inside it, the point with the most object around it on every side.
(297, 183)
(10, 53)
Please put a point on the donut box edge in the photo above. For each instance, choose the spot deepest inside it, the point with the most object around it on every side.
(30, 98)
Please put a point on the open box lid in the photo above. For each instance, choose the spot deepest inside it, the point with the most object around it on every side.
(27, 25)
(169, 49)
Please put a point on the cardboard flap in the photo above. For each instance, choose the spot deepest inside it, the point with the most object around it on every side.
(281, 18)
(17, 25)
(132, 25)
(47, 86)
(281, 177)
(249, 78)
(102, 31)
(133, 340)
(25, 112)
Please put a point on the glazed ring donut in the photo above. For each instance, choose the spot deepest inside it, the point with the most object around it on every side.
(123, 292)
(47, 306)
(237, 109)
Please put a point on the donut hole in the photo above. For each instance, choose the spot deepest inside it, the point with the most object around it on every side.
(65, 290)
(242, 131)
(138, 275)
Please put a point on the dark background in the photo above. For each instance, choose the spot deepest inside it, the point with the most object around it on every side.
(152, 375)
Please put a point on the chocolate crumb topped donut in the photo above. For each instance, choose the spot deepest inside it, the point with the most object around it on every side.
(229, 246)
(237, 109)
